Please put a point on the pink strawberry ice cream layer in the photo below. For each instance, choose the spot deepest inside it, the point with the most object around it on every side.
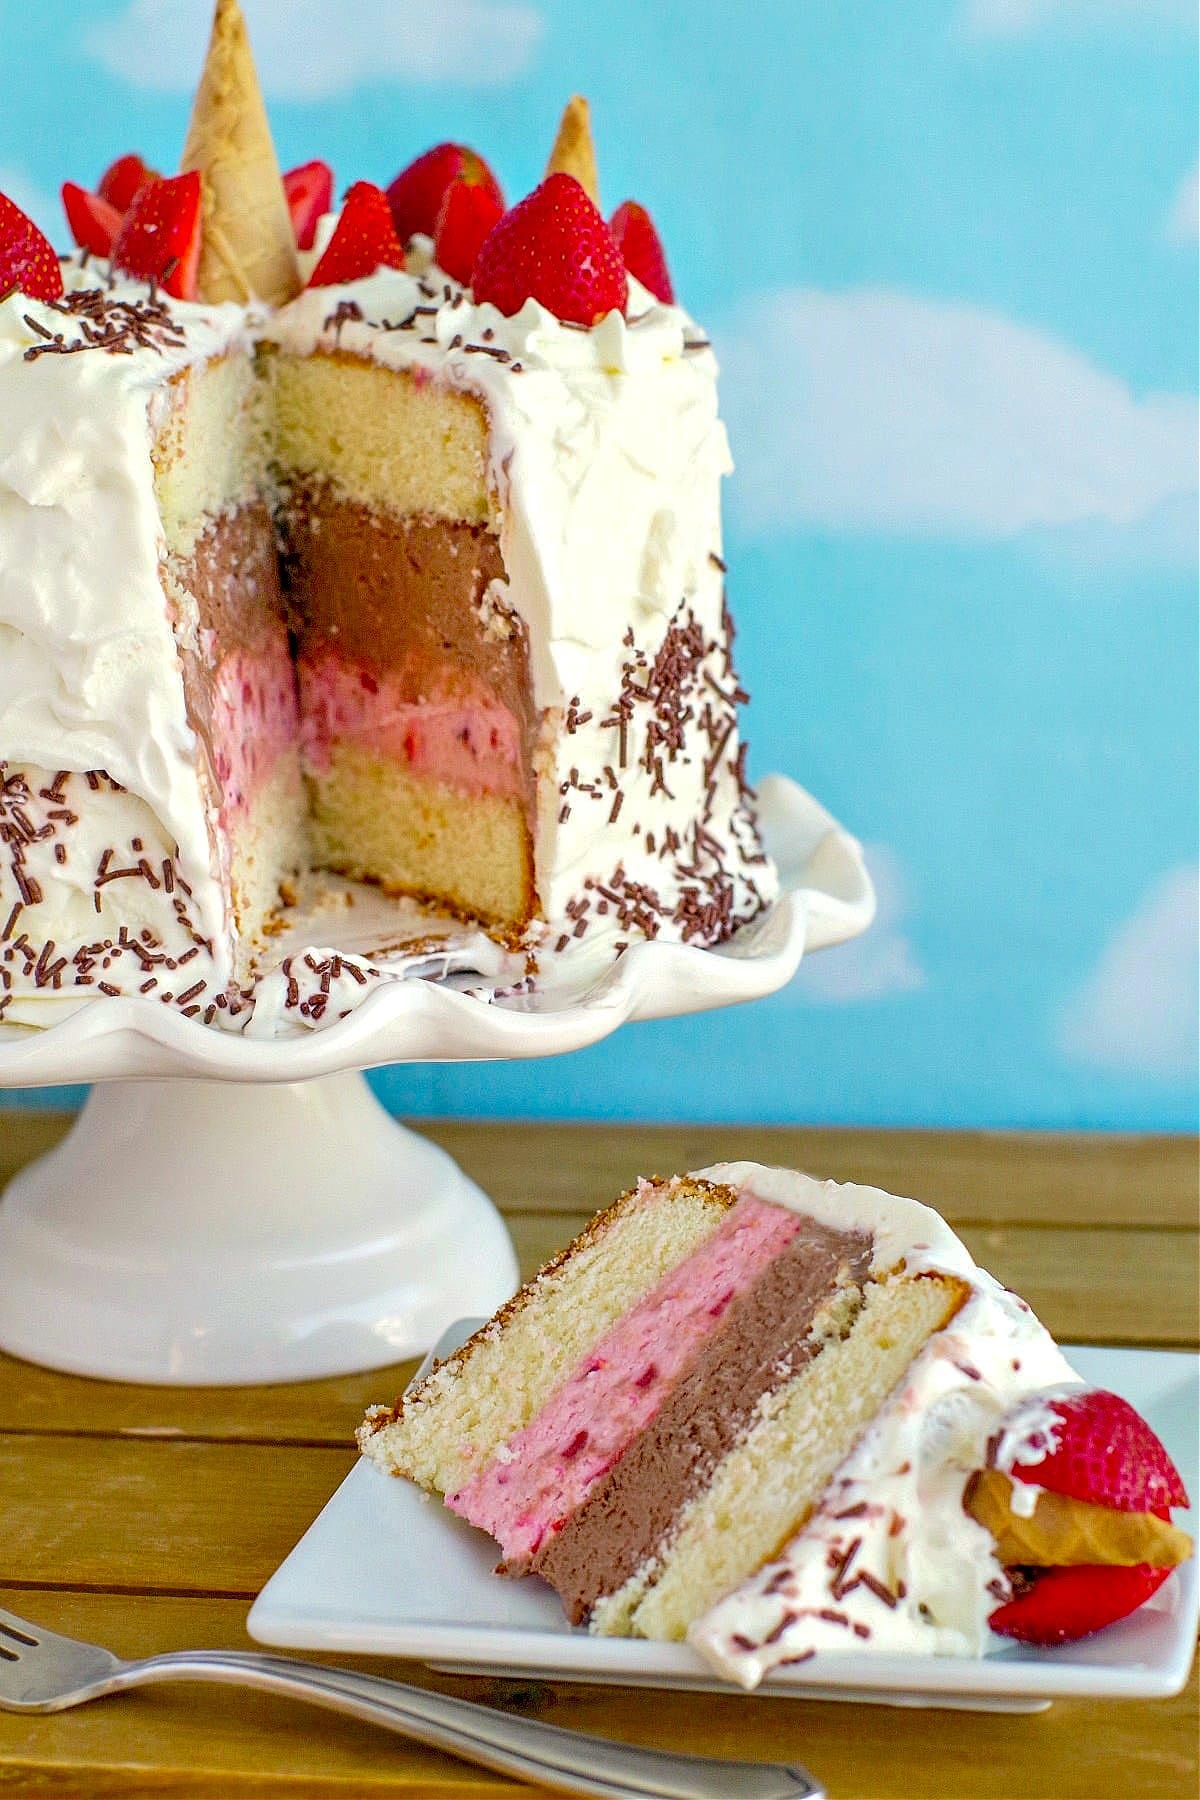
(255, 720)
(460, 736)
(545, 1471)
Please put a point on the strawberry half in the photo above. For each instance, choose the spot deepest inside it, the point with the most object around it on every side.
(94, 221)
(468, 213)
(159, 239)
(554, 247)
(309, 191)
(365, 239)
(1104, 1452)
(27, 259)
(416, 195)
(121, 180)
(1059, 1605)
(641, 246)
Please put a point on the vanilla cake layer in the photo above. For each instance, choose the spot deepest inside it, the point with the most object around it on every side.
(211, 445)
(393, 441)
(373, 819)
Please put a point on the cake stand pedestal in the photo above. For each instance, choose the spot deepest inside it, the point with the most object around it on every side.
(230, 1209)
(196, 1231)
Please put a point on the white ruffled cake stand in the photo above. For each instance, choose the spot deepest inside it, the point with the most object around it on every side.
(228, 1209)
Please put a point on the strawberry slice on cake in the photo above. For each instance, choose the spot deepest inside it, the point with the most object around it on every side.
(640, 245)
(309, 191)
(159, 238)
(28, 264)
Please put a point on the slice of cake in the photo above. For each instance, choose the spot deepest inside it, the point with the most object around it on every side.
(412, 577)
(746, 1407)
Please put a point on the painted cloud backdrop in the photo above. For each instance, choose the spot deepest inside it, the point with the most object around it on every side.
(304, 50)
(947, 251)
(899, 414)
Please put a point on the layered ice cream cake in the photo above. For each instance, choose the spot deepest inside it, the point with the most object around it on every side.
(382, 544)
(780, 1417)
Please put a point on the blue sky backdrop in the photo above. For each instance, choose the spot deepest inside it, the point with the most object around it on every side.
(947, 250)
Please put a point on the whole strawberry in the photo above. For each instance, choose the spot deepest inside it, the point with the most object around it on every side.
(27, 259)
(416, 194)
(468, 213)
(309, 192)
(641, 246)
(159, 239)
(365, 239)
(553, 247)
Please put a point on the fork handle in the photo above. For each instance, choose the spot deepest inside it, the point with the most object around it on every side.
(571, 1761)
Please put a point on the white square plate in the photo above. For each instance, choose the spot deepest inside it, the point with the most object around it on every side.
(386, 1570)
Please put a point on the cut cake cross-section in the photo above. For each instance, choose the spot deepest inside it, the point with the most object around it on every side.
(684, 1392)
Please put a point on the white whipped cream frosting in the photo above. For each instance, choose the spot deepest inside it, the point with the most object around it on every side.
(89, 675)
(607, 454)
(896, 1502)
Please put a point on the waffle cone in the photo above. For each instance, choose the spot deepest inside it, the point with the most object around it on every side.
(574, 152)
(248, 249)
(1061, 1532)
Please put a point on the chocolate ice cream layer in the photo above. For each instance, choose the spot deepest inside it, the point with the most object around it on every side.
(758, 1344)
(403, 597)
(233, 574)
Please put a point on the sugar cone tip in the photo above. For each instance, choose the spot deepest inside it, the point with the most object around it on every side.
(248, 248)
(574, 153)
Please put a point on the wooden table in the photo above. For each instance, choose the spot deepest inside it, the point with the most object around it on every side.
(148, 1518)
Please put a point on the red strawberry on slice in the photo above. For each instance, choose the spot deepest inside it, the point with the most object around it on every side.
(159, 239)
(94, 222)
(642, 249)
(1059, 1605)
(121, 180)
(1105, 1452)
(554, 247)
(365, 239)
(27, 259)
(468, 213)
(416, 195)
(309, 191)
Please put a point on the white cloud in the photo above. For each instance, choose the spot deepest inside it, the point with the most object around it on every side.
(44, 209)
(880, 962)
(1137, 1010)
(312, 49)
(874, 410)
(1183, 218)
(1022, 18)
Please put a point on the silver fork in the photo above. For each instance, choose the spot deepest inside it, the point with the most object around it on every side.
(43, 1672)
